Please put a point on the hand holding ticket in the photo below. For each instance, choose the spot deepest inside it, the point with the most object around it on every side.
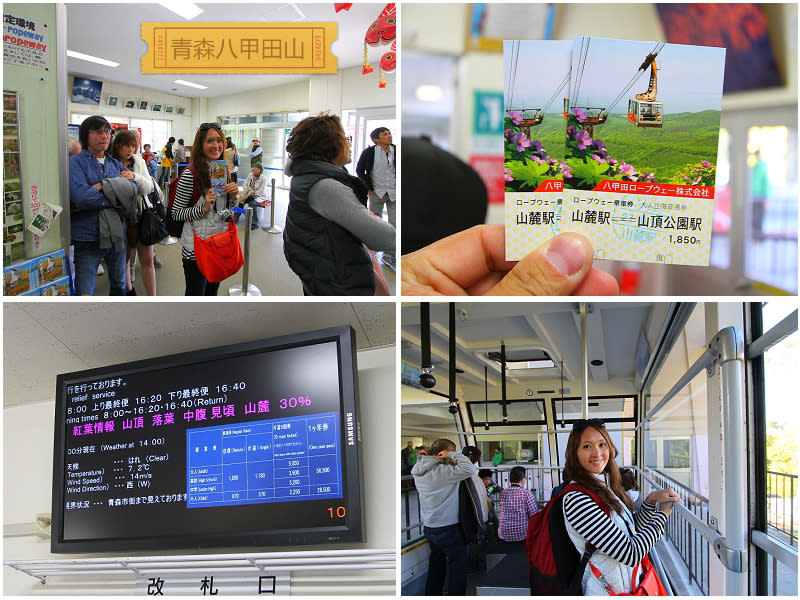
(615, 150)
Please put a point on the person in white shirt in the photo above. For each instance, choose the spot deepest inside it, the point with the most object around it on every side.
(376, 168)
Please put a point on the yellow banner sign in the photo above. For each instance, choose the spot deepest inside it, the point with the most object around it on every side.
(239, 47)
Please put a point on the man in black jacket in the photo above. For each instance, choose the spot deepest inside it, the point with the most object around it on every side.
(376, 168)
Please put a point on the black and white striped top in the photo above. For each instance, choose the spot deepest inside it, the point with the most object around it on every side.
(594, 526)
(182, 211)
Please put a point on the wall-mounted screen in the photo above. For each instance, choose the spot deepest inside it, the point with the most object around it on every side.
(249, 444)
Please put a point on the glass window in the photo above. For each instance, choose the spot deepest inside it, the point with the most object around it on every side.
(721, 229)
(359, 123)
(515, 451)
(243, 138)
(247, 120)
(676, 454)
(622, 433)
(155, 132)
(518, 412)
(426, 113)
(430, 419)
(676, 438)
(294, 117)
(780, 366)
(77, 119)
(272, 141)
(599, 408)
(771, 237)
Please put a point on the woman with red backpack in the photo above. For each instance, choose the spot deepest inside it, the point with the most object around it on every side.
(600, 516)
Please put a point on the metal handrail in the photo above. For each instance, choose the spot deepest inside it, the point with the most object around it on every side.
(494, 433)
(230, 563)
(779, 332)
(708, 532)
(705, 360)
(783, 552)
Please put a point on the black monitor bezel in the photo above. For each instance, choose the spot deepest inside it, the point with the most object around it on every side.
(351, 531)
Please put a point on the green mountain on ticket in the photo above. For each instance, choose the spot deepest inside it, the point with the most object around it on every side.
(684, 138)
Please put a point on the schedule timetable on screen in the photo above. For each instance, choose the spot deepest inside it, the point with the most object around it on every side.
(282, 460)
(203, 446)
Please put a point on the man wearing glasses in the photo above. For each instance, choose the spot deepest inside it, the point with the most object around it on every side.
(97, 234)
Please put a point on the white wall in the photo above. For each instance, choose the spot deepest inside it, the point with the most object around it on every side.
(28, 472)
(319, 93)
(181, 124)
(38, 126)
(347, 89)
(289, 97)
(350, 89)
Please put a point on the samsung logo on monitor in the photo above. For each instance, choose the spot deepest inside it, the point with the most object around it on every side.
(351, 436)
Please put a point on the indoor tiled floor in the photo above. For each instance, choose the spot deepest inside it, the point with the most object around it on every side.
(268, 270)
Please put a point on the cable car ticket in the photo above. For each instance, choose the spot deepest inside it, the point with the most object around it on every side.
(603, 143)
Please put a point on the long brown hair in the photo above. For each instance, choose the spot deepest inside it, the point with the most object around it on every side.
(198, 160)
(612, 494)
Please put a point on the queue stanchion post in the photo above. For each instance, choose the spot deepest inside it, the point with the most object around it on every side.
(245, 288)
(272, 227)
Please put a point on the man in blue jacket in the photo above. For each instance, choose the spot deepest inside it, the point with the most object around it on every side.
(87, 171)
(376, 168)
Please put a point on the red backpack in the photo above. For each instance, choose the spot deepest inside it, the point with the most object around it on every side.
(555, 568)
(175, 227)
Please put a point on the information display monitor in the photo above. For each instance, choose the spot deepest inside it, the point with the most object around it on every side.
(249, 444)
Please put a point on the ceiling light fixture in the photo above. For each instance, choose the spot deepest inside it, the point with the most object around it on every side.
(429, 93)
(301, 16)
(543, 363)
(187, 10)
(94, 59)
(524, 359)
(190, 84)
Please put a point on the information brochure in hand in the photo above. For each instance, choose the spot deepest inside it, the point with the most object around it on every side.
(219, 178)
(616, 140)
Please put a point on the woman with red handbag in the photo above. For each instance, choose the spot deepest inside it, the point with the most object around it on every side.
(204, 213)
(600, 517)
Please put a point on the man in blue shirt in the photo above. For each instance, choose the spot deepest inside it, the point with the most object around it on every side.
(87, 171)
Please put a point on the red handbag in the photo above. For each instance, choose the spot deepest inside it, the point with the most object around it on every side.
(650, 585)
(219, 256)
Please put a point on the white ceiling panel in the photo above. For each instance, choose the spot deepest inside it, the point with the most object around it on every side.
(43, 339)
(113, 31)
(550, 326)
